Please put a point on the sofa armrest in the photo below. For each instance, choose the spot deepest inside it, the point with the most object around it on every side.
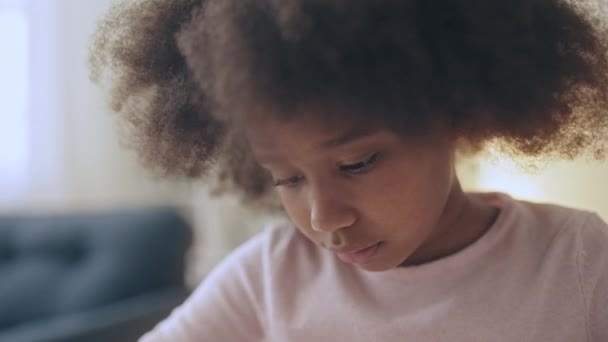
(124, 321)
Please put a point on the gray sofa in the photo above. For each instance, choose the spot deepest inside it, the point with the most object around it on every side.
(90, 276)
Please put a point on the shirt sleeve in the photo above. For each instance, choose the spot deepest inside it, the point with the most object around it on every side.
(593, 271)
(225, 307)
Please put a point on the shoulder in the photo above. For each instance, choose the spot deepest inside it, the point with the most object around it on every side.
(276, 239)
(578, 233)
(251, 271)
(592, 264)
(551, 217)
(570, 236)
(556, 224)
(556, 236)
(277, 247)
(593, 237)
(592, 257)
(570, 252)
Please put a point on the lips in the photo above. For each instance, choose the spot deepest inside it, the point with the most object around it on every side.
(358, 256)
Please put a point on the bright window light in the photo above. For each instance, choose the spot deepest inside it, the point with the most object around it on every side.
(499, 173)
(13, 99)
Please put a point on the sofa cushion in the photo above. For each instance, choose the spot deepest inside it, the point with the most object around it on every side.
(65, 263)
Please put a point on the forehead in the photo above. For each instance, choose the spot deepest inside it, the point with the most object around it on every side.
(313, 131)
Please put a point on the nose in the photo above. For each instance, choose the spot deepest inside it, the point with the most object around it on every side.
(329, 212)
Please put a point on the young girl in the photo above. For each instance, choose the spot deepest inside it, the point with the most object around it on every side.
(355, 110)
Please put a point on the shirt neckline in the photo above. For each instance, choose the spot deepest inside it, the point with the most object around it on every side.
(465, 256)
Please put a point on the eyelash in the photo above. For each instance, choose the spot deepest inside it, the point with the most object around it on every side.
(356, 169)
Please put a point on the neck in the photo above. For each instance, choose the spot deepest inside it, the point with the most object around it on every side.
(464, 220)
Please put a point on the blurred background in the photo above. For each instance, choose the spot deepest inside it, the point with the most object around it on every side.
(61, 161)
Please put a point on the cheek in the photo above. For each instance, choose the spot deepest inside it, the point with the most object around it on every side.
(298, 211)
(410, 198)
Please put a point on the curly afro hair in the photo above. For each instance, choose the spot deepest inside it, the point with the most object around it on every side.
(185, 74)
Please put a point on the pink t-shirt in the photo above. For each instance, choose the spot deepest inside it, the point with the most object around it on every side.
(540, 273)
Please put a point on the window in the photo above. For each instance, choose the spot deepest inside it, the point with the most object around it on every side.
(14, 64)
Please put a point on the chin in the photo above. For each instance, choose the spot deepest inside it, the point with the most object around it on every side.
(383, 261)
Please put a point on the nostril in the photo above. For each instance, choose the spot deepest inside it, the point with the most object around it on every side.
(336, 240)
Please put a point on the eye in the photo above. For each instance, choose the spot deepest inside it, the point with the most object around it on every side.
(288, 182)
(356, 168)
(362, 166)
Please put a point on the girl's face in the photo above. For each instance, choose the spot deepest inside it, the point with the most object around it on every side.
(360, 191)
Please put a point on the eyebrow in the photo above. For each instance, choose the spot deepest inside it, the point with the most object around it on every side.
(348, 137)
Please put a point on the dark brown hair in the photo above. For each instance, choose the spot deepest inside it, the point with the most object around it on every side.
(530, 73)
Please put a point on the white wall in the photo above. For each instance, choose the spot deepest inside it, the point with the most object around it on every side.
(76, 160)
(582, 183)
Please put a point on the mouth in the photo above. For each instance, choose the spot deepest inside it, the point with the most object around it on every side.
(358, 256)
